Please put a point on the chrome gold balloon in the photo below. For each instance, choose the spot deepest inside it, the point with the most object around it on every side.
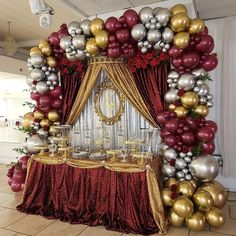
(91, 47)
(178, 8)
(181, 40)
(96, 25)
(170, 181)
(201, 110)
(51, 61)
(203, 200)
(196, 26)
(183, 207)
(181, 112)
(185, 188)
(166, 197)
(53, 116)
(27, 120)
(215, 217)
(189, 100)
(38, 115)
(101, 38)
(174, 219)
(179, 22)
(44, 122)
(35, 50)
(196, 221)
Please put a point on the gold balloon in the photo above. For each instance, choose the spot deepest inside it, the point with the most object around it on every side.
(183, 207)
(174, 219)
(38, 115)
(170, 182)
(96, 25)
(179, 22)
(217, 191)
(196, 221)
(181, 112)
(196, 26)
(194, 183)
(91, 47)
(51, 61)
(27, 120)
(178, 8)
(46, 49)
(181, 40)
(42, 43)
(166, 197)
(53, 116)
(101, 38)
(185, 188)
(44, 122)
(189, 99)
(35, 50)
(203, 200)
(52, 130)
(215, 217)
(202, 110)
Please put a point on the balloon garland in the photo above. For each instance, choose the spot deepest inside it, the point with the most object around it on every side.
(190, 194)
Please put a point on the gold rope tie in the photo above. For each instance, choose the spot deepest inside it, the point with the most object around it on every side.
(100, 60)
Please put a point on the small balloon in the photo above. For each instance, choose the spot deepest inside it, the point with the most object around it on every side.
(79, 41)
(138, 32)
(91, 47)
(146, 14)
(85, 26)
(190, 99)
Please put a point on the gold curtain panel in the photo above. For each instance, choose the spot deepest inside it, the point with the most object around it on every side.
(121, 76)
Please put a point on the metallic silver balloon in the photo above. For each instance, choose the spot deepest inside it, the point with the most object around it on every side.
(180, 175)
(73, 26)
(85, 25)
(196, 89)
(33, 141)
(168, 35)
(153, 26)
(79, 31)
(140, 44)
(185, 171)
(157, 46)
(29, 81)
(188, 177)
(144, 50)
(148, 25)
(186, 81)
(167, 46)
(171, 96)
(80, 55)
(153, 36)
(198, 72)
(42, 132)
(163, 15)
(180, 164)
(173, 74)
(204, 168)
(182, 154)
(210, 104)
(155, 10)
(169, 154)
(209, 97)
(168, 171)
(71, 57)
(65, 42)
(204, 90)
(200, 82)
(203, 100)
(37, 60)
(79, 41)
(37, 74)
(146, 14)
(138, 32)
(187, 159)
(52, 77)
(153, 21)
(41, 87)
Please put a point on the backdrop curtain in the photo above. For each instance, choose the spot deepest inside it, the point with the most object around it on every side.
(120, 74)
(152, 85)
(70, 84)
(223, 88)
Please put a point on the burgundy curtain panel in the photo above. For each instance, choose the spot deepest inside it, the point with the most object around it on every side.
(152, 85)
(70, 84)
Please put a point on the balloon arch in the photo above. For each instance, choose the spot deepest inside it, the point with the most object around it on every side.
(190, 193)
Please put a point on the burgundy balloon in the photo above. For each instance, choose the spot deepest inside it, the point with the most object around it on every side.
(131, 17)
(188, 138)
(172, 125)
(208, 148)
(190, 59)
(110, 24)
(206, 44)
(9, 181)
(54, 39)
(56, 92)
(211, 124)
(35, 96)
(210, 62)
(205, 31)
(112, 38)
(122, 20)
(122, 35)
(19, 176)
(114, 52)
(15, 186)
(118, 26)
(177, 62)
(192, 123)
(45, 100)
(62, 32)
(171, 140)
(205, 134)
(45, 109)
(164, 133)
(56, 103)
(161, 118)
(174, 52)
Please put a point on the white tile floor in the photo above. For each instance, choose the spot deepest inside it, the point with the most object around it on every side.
(14, 223)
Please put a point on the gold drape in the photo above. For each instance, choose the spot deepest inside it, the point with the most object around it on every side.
(120, 74)
(153, 186)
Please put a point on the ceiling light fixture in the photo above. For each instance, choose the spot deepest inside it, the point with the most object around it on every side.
(9, 44)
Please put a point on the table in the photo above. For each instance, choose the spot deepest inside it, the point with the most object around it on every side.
(122, 197)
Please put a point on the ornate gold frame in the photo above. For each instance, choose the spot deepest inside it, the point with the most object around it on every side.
(105, 85)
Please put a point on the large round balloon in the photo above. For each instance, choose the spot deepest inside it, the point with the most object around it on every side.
(110, 24)
(190, 100)
(174, 219)
(96, 25)
(146, 14)
(186, 81)
(203, 200)
(181, 40)
(183, 207)
(179, 22)
(215, 217)
(196, 221)
(85, 26)
(138, 32)
(196, 26)
(91, 47)
(33, 141)
(131, 17)
(101, 39)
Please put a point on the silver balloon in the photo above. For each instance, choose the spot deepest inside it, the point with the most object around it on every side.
(169, 154)
(35, 140)
(79, 41)
(167, 46)
(210, 104)
(163, 15)
(153, 21)
(140, 44)
(173, 74)
(37, 60)
(65, 42)
(158, 25)
(196, 89)
(153, 36)
(71, 57)
(188, 177)
(168, 35)
(73, 26)
(144, 50)
(29, 81)
(204, 90)
(200, 82)
(180, 175)
(41, 87)
(185, 171)
(42, 132)
(187, 159)
(157, 46)
(37, 74)
(198, 72)
(186, 81)
(203, 100)
(180, 164)
(171, 96)
(79, 31)
(204, 168)
(148, 25)
(168, 171)
(153, 26)
(80, 55)
(138, 32)
(85, 25)
(209, 97)
(52, 77)
(182, 154)
(155, 10)
(146, 14)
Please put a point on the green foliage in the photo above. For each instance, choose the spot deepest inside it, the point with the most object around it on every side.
(197, 150)
(29, 104)
(25, 130)
(193, 114)
(21, 151)
(204, 77)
